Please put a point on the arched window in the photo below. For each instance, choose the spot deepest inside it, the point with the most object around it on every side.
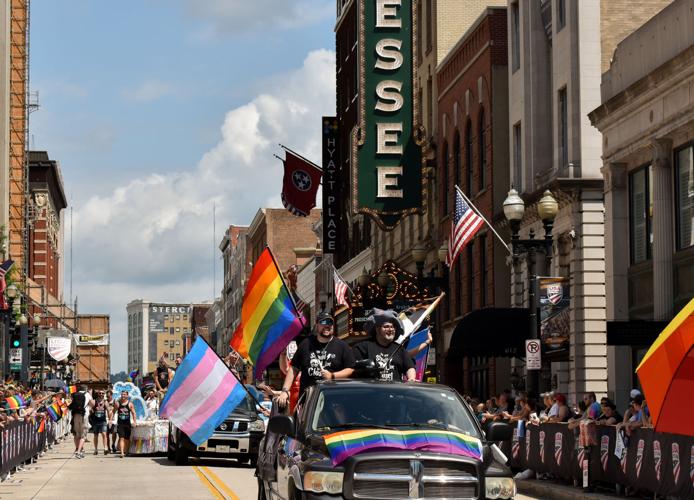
(482, 152)
(468, 157)
(456, 158)
(444, 179)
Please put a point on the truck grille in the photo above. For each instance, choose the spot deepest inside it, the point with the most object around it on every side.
(425, 479)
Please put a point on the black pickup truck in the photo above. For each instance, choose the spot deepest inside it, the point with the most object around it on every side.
(294, 462)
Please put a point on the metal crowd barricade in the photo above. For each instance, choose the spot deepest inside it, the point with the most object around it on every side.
(19, 442)
(653, 462)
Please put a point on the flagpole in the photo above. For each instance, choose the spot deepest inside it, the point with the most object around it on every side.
(289, 292)
(230, 371)
(484, 219)
(341, 278)
(302, 157)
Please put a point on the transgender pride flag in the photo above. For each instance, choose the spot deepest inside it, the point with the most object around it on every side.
(202, 394)
(420, 360)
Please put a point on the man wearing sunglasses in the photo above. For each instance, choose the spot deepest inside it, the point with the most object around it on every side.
(320, 357)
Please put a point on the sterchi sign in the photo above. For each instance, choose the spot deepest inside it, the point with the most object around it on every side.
(387, 162)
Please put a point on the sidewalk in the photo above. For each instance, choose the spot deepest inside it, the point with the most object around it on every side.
(556, 491)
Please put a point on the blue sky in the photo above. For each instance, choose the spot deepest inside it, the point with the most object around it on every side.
(157, 108)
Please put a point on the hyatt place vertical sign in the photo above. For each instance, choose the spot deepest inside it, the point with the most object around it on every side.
(386, 154)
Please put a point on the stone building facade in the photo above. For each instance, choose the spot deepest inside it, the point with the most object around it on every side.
(647, 121)
(556, 54)
(236, 268)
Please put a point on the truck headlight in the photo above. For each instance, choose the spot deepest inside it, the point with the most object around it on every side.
(500, 487)
(256, 425)
(323, 482)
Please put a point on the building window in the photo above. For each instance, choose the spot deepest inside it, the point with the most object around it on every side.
(561, 14)
(563, 110)
(444, 179)
(468, 157)
(178, 342)
(166, 343)
(640, 213)
(178, 329)
(470, 276)
(430, 23)
(483, 270)
(419, 33)
(430, 105)
(517, 158)
(457, 159)
(171, 330)
(685, 197)
(482, 152)
(515, 36)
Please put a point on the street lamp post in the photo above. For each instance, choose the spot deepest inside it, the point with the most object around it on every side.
(37, 322)
(514, 209)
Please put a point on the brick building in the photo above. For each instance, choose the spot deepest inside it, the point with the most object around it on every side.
(472, 143)
(236, 268)
(45, 205)
(291, 238)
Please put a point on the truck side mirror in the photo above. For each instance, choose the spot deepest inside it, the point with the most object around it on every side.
(499, 431)
(282, 424)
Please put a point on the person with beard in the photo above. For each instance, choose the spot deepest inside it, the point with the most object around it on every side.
(320, 357)
(392, 361)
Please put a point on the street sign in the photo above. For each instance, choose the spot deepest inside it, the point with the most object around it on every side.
(16, 359)
(533, 359)
(431, 356)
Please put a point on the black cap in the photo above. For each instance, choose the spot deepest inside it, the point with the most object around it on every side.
(324, 318)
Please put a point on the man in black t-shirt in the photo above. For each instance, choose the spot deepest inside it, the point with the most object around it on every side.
(385, 327)
(320, 357)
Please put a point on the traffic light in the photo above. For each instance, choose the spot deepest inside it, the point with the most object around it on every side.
(15, 340)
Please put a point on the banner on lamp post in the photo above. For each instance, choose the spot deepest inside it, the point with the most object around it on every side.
(58, 347)
(387, 144)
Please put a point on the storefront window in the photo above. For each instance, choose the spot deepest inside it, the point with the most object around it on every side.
(685, 197)
(640, 213)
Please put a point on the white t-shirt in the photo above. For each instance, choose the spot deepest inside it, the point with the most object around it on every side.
(554, 410)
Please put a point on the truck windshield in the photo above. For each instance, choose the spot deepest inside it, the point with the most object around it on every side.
(246, 408)
(392, 406)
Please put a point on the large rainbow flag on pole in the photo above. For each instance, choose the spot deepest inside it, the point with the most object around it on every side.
(269, 318)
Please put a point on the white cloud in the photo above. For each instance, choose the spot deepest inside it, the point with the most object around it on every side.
(149, 90)
(236, 16)
(152, 237)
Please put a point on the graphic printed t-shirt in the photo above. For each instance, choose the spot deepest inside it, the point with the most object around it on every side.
(393, 370)
(311, 355)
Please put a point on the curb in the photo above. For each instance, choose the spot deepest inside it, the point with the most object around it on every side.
(549, 489)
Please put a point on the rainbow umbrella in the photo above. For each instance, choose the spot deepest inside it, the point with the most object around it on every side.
(667, 375)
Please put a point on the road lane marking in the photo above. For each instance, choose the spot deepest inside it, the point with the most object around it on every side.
(220, 484)
(205, 480)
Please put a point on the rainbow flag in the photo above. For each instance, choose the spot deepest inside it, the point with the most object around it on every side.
(269, 320)
(55, 412)
(15, 402)
(133, 374)
(42, 425)
(342, 445)
(70, 389)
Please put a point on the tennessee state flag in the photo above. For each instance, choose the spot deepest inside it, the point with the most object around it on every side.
(300, 185)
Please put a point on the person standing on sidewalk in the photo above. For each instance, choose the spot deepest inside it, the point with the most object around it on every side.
(125, 411)
(79, 425)
(99, 415)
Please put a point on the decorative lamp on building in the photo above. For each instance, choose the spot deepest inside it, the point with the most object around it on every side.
(364, 279)
(514, 210)
(431, 282)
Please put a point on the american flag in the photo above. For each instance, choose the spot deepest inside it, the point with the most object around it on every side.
(300, 303)
(4, 269)
(341, 289)
(466, 223)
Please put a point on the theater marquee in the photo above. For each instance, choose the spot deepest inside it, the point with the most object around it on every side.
(387, 162)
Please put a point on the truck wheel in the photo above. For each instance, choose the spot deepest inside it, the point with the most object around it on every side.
(170, 454)
(180, 456)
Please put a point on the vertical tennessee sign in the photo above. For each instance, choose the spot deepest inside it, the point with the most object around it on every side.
(331, 209)
(387, 144)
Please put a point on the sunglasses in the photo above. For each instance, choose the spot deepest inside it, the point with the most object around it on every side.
(326, 322)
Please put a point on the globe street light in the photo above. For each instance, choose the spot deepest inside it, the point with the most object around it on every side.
(514, 210)
(11, 291)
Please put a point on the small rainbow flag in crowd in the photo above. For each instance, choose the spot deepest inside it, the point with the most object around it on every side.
(54, 412)
(269, 319)
(133, 374)
(42, 425)
(420, 360)
(344, 444)
(70, 389)
(15, 402)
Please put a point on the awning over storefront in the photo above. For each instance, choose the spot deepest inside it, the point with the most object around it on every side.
(636, 333)
(491, 332)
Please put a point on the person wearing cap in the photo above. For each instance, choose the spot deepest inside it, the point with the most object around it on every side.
(609, 414)
(320, 357)
(392, 361)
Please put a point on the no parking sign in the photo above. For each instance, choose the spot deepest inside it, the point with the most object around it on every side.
(533, 360)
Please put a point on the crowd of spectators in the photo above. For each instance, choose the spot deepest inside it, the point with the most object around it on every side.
(34, 402)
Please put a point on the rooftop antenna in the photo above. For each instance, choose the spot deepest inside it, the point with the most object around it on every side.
(214, 241)
(70, 253)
